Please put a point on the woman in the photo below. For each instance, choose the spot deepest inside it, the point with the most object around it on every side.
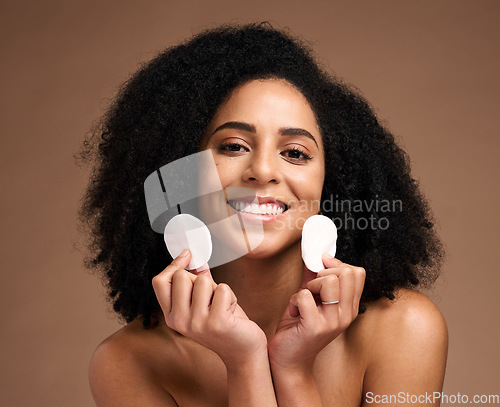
(263, 329)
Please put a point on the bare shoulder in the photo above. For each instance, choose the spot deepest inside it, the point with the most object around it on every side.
(407, 344)
(122, 370)
(120, 349)
(410, 312)
(411, 318)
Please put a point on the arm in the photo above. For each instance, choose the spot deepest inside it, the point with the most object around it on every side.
(296, 388)
(408, 355)
(292, 366)
(208, 313)
(309, 325)
(250, 384)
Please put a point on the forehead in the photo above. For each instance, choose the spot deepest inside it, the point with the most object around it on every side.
(267, 105)
(268, 99)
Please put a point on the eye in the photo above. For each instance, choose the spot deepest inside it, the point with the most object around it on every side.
(231, 148)
(296, 154)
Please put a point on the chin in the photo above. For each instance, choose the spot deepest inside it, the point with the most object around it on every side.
(270, 249)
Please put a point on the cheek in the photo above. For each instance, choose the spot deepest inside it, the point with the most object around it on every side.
(228, 170)
(308, 185)
(307, 188)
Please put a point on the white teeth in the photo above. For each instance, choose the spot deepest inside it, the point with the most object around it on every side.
(263, 209)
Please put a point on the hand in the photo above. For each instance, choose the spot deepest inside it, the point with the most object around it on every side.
(308, 325)
(198, 308)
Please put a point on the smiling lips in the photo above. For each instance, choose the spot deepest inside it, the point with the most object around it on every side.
(266, 206)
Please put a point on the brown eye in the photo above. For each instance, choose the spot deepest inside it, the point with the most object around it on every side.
(296, 154)
(231, 147)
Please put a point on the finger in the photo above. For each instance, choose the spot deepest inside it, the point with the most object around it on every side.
(180, 262)
(162, 283)
(201, 270)
(359, 283)
(329, 261)
(182, 288)
(202, 297)
(337, 267)
(326, 287)
(328, 290)
(292, 309)
(347, 285)
(306, 305)
(223, 300)
(204, 270)
(332, 264)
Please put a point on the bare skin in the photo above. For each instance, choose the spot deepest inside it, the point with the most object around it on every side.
(392, 347)
(254, 331)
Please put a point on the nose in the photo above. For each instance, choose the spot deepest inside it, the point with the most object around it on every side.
(263, 167)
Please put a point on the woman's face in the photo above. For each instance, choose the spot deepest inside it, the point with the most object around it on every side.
(265, 137)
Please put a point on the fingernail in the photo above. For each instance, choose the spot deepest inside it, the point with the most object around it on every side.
(202, 269)
(184, 253)
(328, 255)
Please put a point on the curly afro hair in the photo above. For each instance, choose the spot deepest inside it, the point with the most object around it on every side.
(160, 115)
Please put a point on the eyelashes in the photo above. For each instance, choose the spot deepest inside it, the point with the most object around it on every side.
(232, 147)
(295, 154)
(297, 150)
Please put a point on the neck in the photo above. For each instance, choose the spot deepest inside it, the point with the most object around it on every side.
(263, 286)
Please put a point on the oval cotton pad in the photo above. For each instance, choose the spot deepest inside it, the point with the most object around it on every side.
(185, 231)
(319, 235)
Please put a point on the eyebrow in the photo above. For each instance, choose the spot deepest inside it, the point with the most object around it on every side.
(285, 131)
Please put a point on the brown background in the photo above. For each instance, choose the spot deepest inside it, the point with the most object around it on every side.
(429, 68)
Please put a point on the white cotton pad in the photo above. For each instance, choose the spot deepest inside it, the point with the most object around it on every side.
(319, 235)
(184, 231)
